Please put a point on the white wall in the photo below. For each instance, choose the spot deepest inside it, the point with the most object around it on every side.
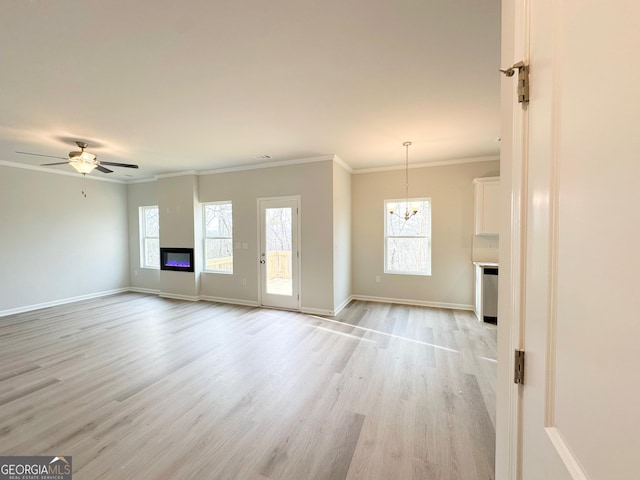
(140, 195)
(313, 182)
(56, 245)
(178, 206)
(451, 191)
(486, 248)
(341, 218)
(341, 236)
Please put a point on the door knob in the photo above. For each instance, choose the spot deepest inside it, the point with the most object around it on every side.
(263, 261)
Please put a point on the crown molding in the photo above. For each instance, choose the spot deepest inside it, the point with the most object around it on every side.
(342, 163)
(176, 174)
(257, 166)
(283, 163)
(37, 168)
(142, 180)
(441, 163)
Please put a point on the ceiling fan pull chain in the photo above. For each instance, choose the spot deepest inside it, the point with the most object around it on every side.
(84, 190)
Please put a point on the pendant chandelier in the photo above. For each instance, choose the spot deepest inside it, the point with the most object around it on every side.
(409, 211)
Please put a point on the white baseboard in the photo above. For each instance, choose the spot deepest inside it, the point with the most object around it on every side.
(235, 301)
(62, 301)
(420, 303)
(343, 305)
(232, 301)
(176, 296)
(144, 290)
(317, 311)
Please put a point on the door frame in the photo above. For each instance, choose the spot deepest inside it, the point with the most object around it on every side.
(513, 246)
(298, 270)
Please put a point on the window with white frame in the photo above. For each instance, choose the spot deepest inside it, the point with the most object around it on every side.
(218, 237)
(407, 243)
(149, 237)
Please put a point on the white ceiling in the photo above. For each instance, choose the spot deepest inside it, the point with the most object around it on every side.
(207, 84)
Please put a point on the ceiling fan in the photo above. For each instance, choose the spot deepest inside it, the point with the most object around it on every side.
(84, 162)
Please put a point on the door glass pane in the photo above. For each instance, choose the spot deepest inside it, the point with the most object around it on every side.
(278, 251)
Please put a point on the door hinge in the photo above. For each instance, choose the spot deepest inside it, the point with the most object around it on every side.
(523, 80)
(298, 254)
(518, 367)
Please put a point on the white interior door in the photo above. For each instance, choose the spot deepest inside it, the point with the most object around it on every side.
(573, 252)
(279, 253)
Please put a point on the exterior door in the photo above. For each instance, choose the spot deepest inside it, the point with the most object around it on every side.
(571, 167)
(279, 253)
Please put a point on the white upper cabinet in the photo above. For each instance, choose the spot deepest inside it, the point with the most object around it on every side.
(487, 205)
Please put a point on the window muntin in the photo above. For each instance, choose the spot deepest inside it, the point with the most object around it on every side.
(407, 243)
(149, 237)
(218, 237)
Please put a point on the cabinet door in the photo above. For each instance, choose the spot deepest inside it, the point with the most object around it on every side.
(487, 200)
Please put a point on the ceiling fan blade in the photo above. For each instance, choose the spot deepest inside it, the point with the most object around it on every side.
(126, 165)
(40, 155)
(100, 168)
(49, 164)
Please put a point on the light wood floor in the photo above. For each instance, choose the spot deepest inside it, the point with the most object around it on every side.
(138, 387)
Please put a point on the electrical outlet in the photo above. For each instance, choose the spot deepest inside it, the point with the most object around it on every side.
(244, 282)
(377, 278)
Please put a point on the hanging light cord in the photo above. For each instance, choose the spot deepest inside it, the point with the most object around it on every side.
(84, 189)
(406, 179)
(407, 213)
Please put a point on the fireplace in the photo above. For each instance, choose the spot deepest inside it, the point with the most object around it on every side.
(176, 259)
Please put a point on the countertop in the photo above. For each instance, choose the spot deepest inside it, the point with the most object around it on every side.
(486, 264)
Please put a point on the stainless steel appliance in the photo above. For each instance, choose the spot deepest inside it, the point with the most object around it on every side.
(490, 295)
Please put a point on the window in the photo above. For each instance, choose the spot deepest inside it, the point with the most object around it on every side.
(407, 243)
(149, 237)
(218, 237)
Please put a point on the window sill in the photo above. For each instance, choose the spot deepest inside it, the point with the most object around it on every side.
(418, 274)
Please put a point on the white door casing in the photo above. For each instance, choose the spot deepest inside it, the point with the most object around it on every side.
(570, 167)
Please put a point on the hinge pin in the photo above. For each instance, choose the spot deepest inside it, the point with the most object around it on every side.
(518, 367)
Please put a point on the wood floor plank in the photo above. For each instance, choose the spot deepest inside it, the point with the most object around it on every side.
(136, 386)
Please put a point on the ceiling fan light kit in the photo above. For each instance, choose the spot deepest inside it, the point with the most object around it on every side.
(83, 163)
(82, 156)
